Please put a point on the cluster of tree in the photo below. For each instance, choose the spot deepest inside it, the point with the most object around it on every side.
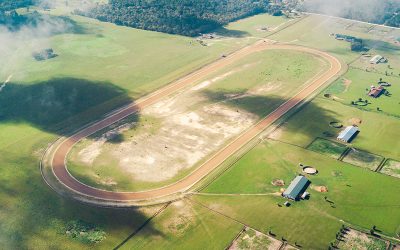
(13, 21)
(7, 5)
(8, 16)
(186, 17)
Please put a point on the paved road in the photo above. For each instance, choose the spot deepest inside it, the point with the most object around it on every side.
(58, 157)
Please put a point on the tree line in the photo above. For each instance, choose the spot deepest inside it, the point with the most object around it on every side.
(185, 17)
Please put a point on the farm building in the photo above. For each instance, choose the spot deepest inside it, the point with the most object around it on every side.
(348, 134)
(377, 59)
(376, 92)
(296, 188)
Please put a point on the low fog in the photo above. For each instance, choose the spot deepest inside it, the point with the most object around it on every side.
(365, 10)
(17, 46)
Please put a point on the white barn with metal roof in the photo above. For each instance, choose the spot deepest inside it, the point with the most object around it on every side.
(348, 134)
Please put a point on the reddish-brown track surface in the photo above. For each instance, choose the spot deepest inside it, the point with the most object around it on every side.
(58, 158)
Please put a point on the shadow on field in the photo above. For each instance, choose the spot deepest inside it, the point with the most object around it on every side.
(60, 105)
(381, 45)
(263, 105)
(41, 216)
(231, 33)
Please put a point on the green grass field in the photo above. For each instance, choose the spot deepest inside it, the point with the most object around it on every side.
(363, 159)
(327, 147)
(376, 130)
(186, 225)
(253, 174)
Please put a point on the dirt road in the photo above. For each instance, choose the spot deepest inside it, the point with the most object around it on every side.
(58, 156)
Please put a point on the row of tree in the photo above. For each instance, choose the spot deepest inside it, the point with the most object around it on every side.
(7, 5)
(186, 17)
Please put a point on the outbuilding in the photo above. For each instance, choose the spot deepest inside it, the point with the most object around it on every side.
(348, 134)
(377, 59)
(296, 188)
(376, 92)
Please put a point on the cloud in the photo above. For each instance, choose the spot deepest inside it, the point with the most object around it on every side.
(366, 10)
(17, 46)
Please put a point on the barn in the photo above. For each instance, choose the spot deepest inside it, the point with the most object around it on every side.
(348, 134)
(296, 188)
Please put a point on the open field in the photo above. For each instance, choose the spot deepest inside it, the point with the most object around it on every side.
(186, 225)
(205, 116)
(123, 56)
(260, 25)
(49, 98)
(253, 174)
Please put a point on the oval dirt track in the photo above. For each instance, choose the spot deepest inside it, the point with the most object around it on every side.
(59, 154)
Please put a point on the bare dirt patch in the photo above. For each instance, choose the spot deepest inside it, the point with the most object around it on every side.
(360, 241)
(355, 121)
(321, 189)
(392, 168)
(278, 183)
(182, 219)
(188, 132)
(252, 239)
(346, 83)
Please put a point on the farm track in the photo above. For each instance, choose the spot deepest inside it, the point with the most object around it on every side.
(59, 153)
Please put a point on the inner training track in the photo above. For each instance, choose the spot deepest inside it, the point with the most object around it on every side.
(60, 152)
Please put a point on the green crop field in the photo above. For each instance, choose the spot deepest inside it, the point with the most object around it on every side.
(312, 223)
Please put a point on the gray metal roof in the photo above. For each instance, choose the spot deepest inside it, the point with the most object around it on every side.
(347, 133)
(296, 187)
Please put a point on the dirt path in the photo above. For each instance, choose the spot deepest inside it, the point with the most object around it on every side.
(58, 156)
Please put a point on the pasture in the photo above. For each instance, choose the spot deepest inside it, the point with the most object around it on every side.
(311, 223)
(377, 131)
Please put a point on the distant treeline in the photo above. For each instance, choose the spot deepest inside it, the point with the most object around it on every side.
(6, 5)
(8, 15)
(185, 17)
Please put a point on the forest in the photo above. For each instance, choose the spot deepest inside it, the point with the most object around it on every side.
(184, 17)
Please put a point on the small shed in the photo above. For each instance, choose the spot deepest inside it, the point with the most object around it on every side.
(348, 134)
(377, 59)
(296, 188)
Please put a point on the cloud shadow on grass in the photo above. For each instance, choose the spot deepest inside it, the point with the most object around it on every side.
(59, 105)
(261, 106)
